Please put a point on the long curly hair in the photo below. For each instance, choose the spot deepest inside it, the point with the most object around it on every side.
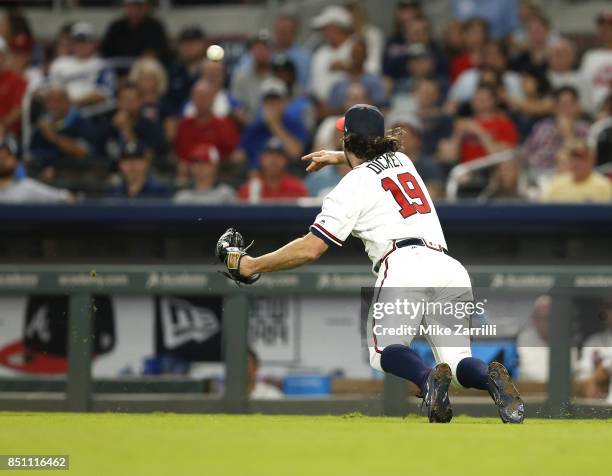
(369, 149)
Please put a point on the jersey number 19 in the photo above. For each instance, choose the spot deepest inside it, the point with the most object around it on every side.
(412, 199)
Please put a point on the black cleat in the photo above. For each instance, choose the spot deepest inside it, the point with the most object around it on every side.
(436, 394)
(505, 395)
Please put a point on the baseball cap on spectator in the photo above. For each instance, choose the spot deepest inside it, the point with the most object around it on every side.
(275, 145)
(364, 120)
(10, 144)
(418, 50)
(405, 118)
(273, 87)
(333, 15)
(22, 42)
(262, 36)
(191, 33)
(132, 150)
(83, 31)
(207, 153)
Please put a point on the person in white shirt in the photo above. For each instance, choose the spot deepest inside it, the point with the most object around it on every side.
(87, 78)
(372, 35)
(25, 190)
(285, 31)
(561, 65)
(259, 390)
(532, 343)
(596, 361)
(331, 60)
(246, 82)
(495, 58)
(384, 202)
(596, 67)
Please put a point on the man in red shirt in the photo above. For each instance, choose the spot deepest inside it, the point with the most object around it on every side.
(273, 181)
(487, 132)
(12, 89)
(205, 128)
(475, 35)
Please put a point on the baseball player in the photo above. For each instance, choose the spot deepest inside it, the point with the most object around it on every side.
(384, 202)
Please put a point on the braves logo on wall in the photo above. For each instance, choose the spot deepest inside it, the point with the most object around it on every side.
(44, 343)
(188, 328)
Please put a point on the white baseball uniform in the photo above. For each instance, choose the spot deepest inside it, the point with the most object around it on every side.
(384, 201)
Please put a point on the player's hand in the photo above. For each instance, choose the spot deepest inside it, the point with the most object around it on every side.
(321, 158)
(231, 250)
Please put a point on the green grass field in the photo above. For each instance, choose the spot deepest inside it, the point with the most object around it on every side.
(222, 445)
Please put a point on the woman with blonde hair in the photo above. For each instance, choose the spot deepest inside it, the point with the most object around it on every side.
(149, 76)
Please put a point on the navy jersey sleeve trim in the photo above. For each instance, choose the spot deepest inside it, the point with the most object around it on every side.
(325, 235)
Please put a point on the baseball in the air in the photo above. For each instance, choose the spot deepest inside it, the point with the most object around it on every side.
(215, 53)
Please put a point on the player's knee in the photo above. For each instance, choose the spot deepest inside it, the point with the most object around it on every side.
(389, 353)
(375, 360)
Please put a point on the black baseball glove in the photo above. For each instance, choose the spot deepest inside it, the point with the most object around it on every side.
(230, 250)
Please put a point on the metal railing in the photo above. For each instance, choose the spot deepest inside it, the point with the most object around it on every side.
(462, 170)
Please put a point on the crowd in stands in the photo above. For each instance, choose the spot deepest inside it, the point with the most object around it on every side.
(130, 112)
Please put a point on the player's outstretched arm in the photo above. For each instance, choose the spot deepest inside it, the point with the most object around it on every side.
(301, 251)
(321, 158)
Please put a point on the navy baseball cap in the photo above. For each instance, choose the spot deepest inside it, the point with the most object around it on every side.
(191, 33)
(275, 145)
(364, 120)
